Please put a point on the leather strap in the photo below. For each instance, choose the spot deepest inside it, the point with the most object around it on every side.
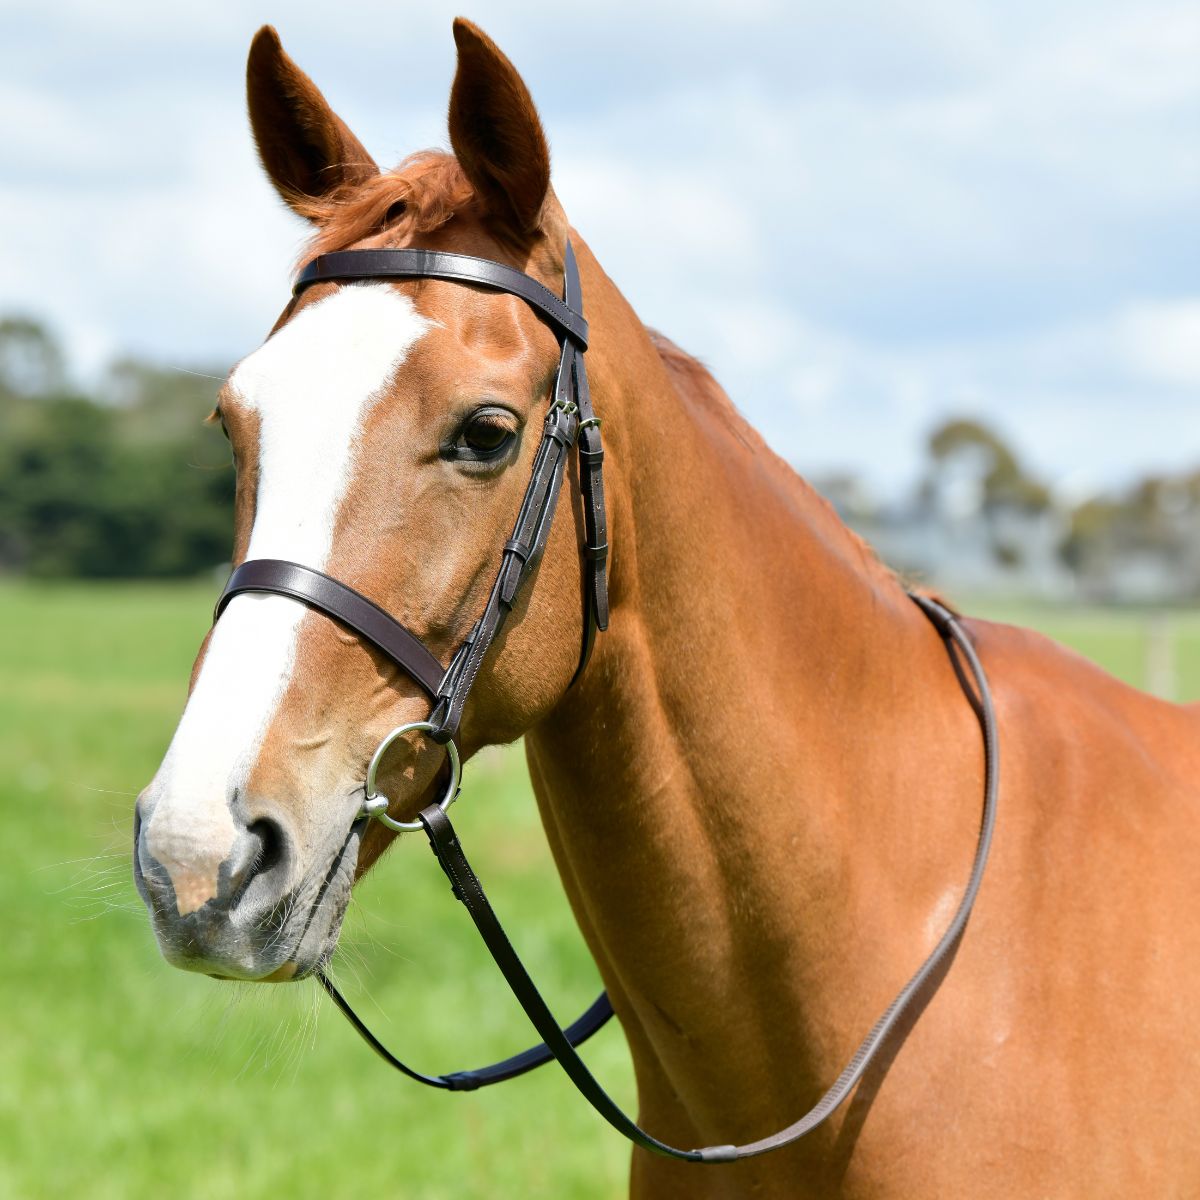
(578, 1032)
(571, 405)
(466, 887)
(519, 556)
(344, 604)
(591, 486)
(440, 264)
(570, 414)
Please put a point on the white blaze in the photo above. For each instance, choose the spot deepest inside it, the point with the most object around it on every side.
(311, 386)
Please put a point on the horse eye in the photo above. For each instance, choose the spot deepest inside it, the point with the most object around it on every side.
(485, 434)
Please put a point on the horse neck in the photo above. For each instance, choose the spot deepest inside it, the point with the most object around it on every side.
(731, 789)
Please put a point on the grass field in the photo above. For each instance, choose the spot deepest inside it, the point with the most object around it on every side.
(120, 1077)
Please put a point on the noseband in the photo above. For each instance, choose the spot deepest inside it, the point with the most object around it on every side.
(570, 421)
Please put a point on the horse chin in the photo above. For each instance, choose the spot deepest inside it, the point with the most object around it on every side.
(312, 941)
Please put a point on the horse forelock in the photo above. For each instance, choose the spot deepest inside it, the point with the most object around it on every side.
(424, 193)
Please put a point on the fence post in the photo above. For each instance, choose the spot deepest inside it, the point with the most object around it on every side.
(1160, 656)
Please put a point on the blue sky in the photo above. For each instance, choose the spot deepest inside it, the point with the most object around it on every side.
(862, 216)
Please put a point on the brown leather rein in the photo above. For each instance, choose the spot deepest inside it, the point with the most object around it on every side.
(570, 422)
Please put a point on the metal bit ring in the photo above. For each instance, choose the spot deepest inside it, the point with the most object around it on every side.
(375, 805)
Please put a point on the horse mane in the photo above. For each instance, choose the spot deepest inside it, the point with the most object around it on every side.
(694, 381)
(423, 193)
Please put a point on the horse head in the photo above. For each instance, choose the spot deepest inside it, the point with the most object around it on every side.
(384, 435)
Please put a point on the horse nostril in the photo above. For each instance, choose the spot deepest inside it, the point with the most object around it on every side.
(259, 849)
(271, 843)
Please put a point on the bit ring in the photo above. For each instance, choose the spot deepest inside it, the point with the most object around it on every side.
(375, 805)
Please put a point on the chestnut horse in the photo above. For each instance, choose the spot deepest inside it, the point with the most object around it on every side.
(762, 793)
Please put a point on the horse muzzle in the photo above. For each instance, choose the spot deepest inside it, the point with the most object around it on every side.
(236, 903)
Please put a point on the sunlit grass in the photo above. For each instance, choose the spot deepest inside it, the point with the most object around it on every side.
(121, 1078)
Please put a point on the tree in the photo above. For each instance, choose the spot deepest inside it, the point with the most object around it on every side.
(31, 362)
(1155, 520)
(136, 485)
(973, 448)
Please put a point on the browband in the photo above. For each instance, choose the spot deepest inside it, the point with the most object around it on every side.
(439, 264)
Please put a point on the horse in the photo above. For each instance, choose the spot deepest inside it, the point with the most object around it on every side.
(761, 789)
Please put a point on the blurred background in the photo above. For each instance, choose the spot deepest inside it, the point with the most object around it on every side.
(944, 256)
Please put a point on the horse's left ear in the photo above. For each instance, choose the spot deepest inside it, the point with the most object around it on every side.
(497, 136)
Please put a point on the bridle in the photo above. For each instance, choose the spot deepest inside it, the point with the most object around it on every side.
(569, 422)
(569, 419)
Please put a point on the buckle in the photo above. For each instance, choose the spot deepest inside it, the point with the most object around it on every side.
(561, 423)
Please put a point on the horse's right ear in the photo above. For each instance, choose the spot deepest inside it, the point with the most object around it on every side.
(305, 147)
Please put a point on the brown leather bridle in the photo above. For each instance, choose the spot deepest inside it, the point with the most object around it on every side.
(570, 421)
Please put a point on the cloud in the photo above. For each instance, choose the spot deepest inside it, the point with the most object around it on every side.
(1161, 341)
(1093, 402)
(861, 216)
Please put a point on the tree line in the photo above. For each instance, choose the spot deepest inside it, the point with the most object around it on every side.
(127, 479)
(123, 480)
(1154, 517)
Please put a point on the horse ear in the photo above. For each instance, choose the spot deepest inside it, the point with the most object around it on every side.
(497, 136)
(306, 148)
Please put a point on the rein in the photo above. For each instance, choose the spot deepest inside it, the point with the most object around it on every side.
(570, 421)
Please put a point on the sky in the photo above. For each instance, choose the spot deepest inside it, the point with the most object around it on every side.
(864, 217)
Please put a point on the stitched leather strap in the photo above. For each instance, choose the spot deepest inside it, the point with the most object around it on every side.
(351, 608)
(466, 887)
(571, 404)
(570, 415)
(440, 264)
(591, 486)
(519, 556)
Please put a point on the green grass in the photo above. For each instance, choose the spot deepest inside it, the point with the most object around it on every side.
(120, 1077)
